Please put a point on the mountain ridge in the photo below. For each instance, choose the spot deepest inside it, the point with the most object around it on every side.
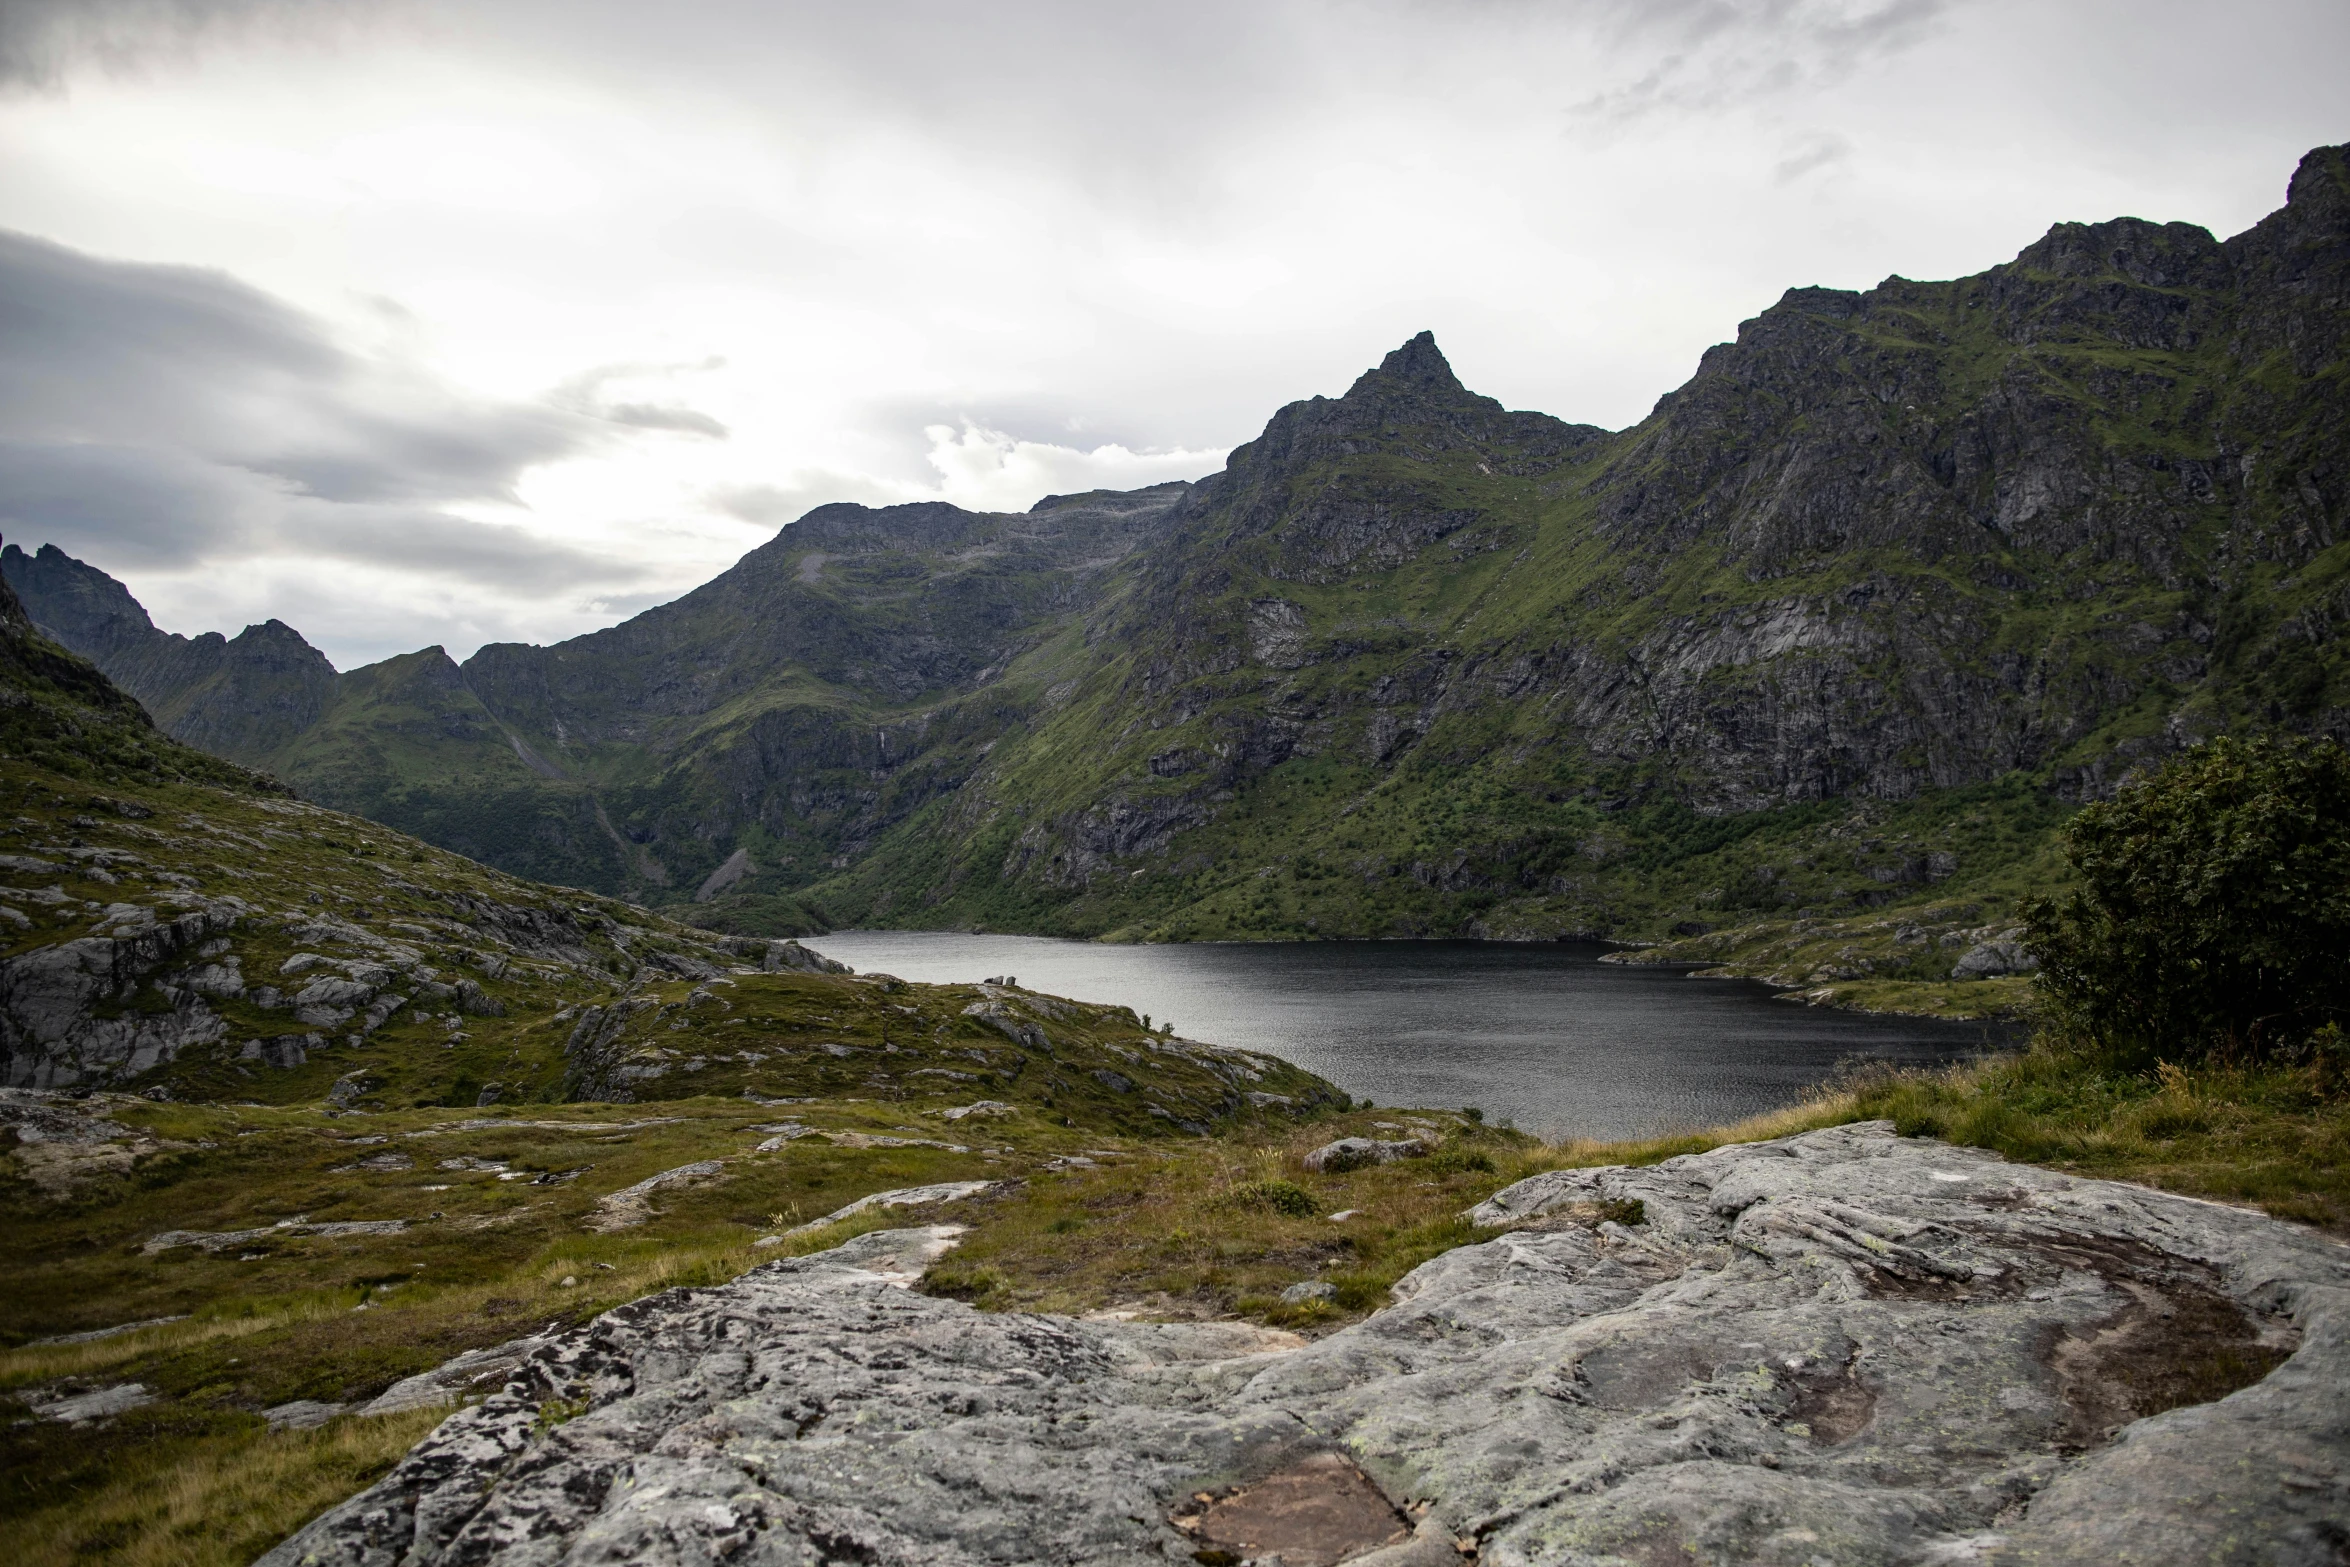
(1412, 663)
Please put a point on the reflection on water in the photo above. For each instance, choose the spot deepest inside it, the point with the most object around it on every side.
(1543, 1035)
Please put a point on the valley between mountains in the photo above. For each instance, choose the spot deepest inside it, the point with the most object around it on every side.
(367, 1204)
(1841, 631)
(423, 1141)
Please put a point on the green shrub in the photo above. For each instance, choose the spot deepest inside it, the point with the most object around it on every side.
(1459, 1161)
(1626, 1211)
(2212, 913)
(1275, 1196)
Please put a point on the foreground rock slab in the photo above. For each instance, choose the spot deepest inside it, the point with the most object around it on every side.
(1844, 1347)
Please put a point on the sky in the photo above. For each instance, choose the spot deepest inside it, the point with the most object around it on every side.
(459, 321)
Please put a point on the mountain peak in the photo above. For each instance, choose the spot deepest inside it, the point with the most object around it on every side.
(1418, 372)
(1422, 361)
(1415, 383)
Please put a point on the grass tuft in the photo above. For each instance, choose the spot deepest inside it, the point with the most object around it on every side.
(1274, 1196)
(222, 1502)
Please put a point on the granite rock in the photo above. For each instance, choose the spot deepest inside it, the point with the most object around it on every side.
(1354, 1153)
(1845, 1346)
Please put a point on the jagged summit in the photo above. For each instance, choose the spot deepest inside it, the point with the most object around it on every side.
(1414, 382)
(1419, 362)
(1412, 403)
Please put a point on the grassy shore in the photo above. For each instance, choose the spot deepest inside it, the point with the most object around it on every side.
(1084, 1221)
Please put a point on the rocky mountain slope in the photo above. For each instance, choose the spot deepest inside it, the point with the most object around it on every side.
(768, 685)
(1849, 620)
(171, 923)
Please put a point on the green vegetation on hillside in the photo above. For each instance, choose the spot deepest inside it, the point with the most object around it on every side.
(1845, 627)
(213, 1276)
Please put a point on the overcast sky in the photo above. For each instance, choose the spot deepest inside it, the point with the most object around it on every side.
(415, 321)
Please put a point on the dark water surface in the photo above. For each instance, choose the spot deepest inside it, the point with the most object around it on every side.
(1543, 1034)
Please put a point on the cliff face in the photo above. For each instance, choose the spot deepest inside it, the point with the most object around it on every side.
(1413, 663)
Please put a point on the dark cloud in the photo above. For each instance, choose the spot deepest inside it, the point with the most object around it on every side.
(773, 505)
(142, 508)
(161, 417)
(41, 41)
(1708, 54)
(193, 360)
(589, 393)
(437, 544)
(1812, 153)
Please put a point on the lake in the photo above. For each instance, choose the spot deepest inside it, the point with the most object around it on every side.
(1541, 1035)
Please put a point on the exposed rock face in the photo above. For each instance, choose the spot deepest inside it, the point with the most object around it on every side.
(60, 1147)
(632, 1205)
(1988, 959)
(1845, 1346)
(52, 1032)
(789, 957)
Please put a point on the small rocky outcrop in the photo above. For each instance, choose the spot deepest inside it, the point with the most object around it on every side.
(54, 1030)
(1845, 1346)
(789, 957)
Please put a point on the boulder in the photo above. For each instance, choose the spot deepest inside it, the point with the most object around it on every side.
(1846, 1346)
(1991, 959)
(789, 957)
(1354, 1153)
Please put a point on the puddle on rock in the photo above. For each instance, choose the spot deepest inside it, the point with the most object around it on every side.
(1831, 1401)
(1316, 1513)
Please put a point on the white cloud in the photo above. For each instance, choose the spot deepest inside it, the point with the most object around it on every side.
(987, 470)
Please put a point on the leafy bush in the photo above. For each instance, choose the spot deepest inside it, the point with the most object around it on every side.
(2212, 915)
(1276, 1196)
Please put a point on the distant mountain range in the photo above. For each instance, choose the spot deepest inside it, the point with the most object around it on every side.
(1852, 617)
